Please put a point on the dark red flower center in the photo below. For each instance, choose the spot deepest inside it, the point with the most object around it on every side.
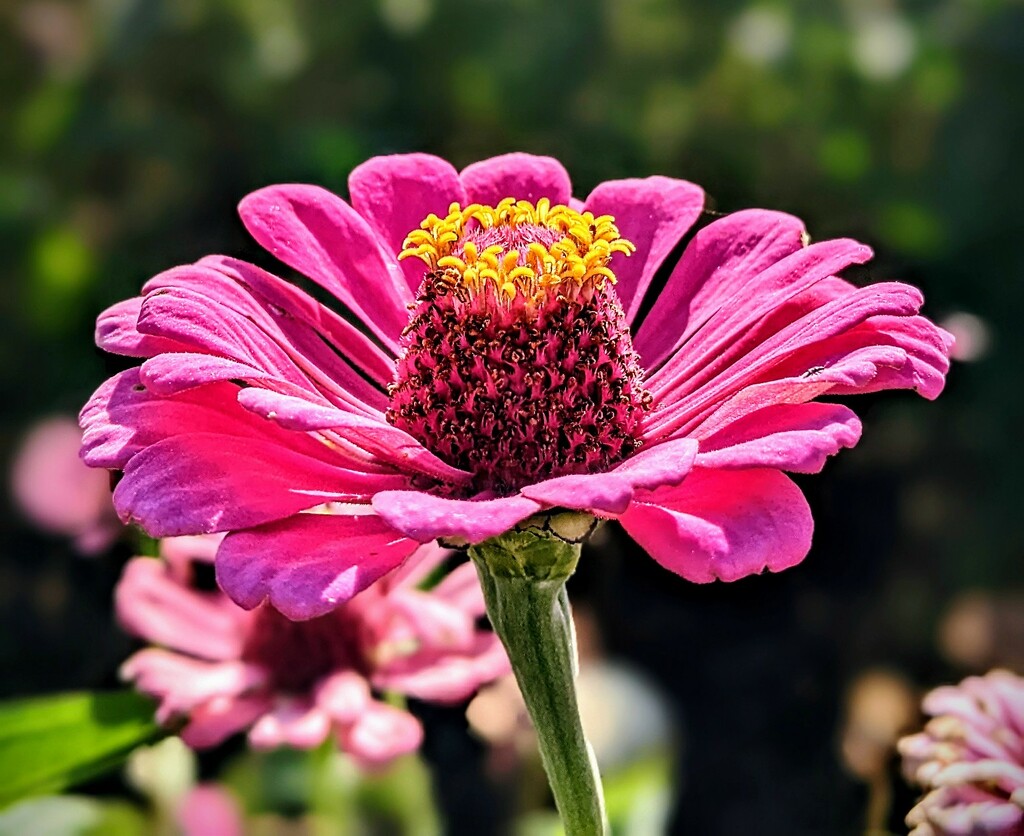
(299, 653)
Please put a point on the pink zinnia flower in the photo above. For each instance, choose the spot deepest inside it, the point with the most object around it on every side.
(505, 372)
(970, 759)
(225, 669)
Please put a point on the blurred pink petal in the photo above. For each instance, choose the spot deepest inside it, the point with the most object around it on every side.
(209, 810)
(57, 491)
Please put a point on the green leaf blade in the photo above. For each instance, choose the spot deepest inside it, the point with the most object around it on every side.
(53, 742)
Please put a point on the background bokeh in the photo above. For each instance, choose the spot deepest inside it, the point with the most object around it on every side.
(129, 129)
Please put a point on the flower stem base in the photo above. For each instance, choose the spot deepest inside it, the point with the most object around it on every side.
(523, 575)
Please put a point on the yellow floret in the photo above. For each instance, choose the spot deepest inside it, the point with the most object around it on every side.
(579, 256)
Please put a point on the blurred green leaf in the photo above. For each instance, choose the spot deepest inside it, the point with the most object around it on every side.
(639, 796)
(70, 815)
(48, 743)
(910, 227)
(63, 264)
(845, 155)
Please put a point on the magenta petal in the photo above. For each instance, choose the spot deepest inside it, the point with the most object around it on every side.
(729, 338)
(307, 565)
(318, 334)
(388, 443)
(755, 366)
(321, 236)
(123, 417)
(117, 332)
(209, 482)
(221, 307)
(883, 352)
(718, 264)
(171, 374)
(654, 214)
(793, 437)
(397, 192)
(425, 517)
(723, 524)
(518, 175)
(611, 492)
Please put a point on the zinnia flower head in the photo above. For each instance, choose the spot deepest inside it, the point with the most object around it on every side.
(223, 669)
(504, 372)
(970, 759)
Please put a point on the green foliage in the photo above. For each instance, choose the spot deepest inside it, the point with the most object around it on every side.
(335, 793)
(49, 743)
(71, 815)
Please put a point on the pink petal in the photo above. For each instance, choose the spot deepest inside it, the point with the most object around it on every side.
(117, 332)
(316, 332)
(461, 588)
(208, 810)
(209, 327)
(295, 723)
(309, 564)
(123, 417)
(718, 264)
(793, 437)
(883, 352)
(182, 683)
(214, 722)
(419, 566)
(180, 553)
(411, 617)
(206, 482)
(381, 734)
(520, 176)
(387, 443)
(611, 492)
(343, 696)
(681, 413)
(730, 335)
(655, 214)
(723, 524)
(397, 192)
(243, 332)
(321, 236)
(152, 605)
(169, 374)
(448, 678)
(425, 517)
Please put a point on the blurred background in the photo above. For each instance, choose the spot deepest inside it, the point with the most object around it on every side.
(129, 130)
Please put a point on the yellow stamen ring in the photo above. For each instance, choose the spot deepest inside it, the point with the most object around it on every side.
(578, 256)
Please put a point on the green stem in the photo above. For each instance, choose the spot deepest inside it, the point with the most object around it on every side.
(523, 575)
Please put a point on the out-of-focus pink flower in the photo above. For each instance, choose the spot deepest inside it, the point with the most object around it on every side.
(58, 492)
(209, 810)
(294, 683)
(509, 372)
(970, 759)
